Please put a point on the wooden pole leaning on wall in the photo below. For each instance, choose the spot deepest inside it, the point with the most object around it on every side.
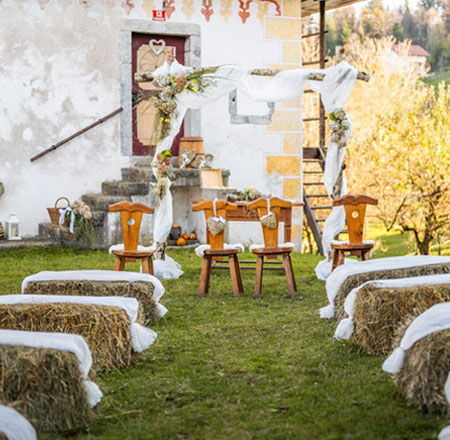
(60, 143)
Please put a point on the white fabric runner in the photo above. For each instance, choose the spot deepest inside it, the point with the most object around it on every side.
(435, 319)
(285, 85)
(200, 250)
(346, 326)
(97, 275)
(58, 341)
(167, 269)
(141, 337)
(120, 247)
(15, 426)
(340, 274)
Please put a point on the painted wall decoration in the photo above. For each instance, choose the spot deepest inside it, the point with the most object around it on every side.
(206, 8)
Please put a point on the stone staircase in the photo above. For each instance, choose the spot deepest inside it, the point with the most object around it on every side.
(134, 187)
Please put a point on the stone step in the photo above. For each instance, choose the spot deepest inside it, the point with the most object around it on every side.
(63, 237)
(182, 177)
(121, 188)
(100, 202)
(138, 174)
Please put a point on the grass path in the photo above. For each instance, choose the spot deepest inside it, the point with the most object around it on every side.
(226, 368)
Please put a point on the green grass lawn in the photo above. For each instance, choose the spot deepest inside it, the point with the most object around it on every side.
(239, 368)
(435, 78)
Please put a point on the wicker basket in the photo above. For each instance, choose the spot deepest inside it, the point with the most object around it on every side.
(54, 213)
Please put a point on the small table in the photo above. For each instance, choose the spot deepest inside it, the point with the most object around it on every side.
(244, 215)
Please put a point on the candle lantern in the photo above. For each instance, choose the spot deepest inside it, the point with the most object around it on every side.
(13, 228)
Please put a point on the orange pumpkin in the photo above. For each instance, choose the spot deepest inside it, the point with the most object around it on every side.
(181, 241)
(185, 236)
(192, 236)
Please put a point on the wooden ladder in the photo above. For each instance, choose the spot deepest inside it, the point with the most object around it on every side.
(315, 196)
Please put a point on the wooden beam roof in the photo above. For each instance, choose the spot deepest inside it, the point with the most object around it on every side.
(312, 6)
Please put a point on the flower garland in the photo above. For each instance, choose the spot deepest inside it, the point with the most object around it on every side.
(165, 103)
(339, 124)
(163, 170)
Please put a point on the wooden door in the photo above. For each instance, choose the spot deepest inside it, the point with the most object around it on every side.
(149, 52)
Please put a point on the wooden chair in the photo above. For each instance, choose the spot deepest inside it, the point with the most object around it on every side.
(217, 251)
(131, 218)
(271, 248)
(355, 211)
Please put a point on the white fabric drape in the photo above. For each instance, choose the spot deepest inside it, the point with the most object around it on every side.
(97, 275)
(335, 90)
(141, 337)
(435, 319)
(346, 326)
(58, 341)
(339, 275)
(15, 426)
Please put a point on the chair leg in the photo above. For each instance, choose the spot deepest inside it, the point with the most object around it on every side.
(338, 258)
(289, 273)
(145, 266)
(204, 276)
(365, 255)
(238, 273)
(120, 263)
(258, 276)
(233, 274)
(151, 270)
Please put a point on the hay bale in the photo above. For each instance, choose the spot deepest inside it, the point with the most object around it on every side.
(378, 312)
(358, 279)
(425, 369)
(47, 386)
(142, 291)
(105, 329)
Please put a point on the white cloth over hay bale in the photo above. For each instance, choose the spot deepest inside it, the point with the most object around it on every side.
(382, 305)
(336, 280)
(421, 362)
(58, 341)
(146, 288)
(141, 337)
(15, 426)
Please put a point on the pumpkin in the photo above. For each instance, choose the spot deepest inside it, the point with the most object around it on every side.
(185, 236)
(181, 241)
(192, 236)
(175, 225)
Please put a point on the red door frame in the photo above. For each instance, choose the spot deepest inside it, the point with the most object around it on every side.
(138, 39)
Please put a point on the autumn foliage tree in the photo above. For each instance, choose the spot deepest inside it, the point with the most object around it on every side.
(400, 151)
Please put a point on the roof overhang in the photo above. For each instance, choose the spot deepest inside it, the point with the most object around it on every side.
(310, 7)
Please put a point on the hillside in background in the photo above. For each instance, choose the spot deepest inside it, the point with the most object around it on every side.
(428, 26)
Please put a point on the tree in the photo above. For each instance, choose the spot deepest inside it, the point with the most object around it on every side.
(397, 32)
(400, 148)
(427, 4)
(345, 33)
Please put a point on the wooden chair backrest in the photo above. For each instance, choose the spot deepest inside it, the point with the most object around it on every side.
(270, 235)
(131, 218)
(355, 212)
(222, 206)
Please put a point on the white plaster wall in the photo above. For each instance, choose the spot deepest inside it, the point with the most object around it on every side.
(59, 72)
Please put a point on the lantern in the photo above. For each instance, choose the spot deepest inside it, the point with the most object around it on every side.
(13, 228)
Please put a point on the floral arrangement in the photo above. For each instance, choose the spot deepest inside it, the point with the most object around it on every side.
(339, 125)
(165, 103)
(79, 216)
(247, 195)
(163, 168)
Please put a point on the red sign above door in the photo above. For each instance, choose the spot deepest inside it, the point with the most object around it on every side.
(159, 15)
